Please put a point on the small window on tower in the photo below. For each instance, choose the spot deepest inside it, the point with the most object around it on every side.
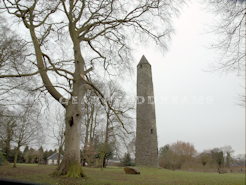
(151, 131)
(140, 65)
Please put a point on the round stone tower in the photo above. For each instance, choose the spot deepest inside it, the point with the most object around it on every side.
(146, 134)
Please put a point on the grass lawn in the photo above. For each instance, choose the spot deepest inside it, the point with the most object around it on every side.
(115, 175)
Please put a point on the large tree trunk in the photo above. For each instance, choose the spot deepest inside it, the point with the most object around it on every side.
(92, 114)
(7, 149)
(86, 131)
(94, 128)
(39, 158)
(59, 155)
(106, 136)
(16, 155)
(87, 125)
(8, 139)
(70, 165)
(102, 159)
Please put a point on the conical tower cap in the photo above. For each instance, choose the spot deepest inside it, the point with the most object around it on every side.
(143, 61)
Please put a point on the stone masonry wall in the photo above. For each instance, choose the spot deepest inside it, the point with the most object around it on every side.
(146, 135)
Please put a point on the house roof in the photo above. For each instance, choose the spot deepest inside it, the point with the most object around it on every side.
(55, 156)
(110, 162)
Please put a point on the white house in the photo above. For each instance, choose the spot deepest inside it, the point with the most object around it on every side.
(113, 162)
(53, 159)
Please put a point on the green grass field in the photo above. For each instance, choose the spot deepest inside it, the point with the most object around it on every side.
(115, 175)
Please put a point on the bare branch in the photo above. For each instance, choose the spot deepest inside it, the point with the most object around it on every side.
(22, 75)
(58, 69)
(101, 94)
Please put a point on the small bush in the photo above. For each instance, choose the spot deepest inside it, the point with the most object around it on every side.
(127, 161)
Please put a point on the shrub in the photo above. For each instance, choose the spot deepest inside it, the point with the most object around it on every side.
(127, 161)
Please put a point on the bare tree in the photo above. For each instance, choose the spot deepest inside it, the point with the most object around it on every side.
(27, 123)
(185, 150)
(12, 50)
(204, 158)
(89, 152)
(228, 151)
(13, 53)
(40, 155)
(56, 123)
(99, 33)
(103, 148)
(131, 146)
(114, 133)
(93, 117)
(230, 44)
(167, 157)
(240, 159)
(91, 110)
(13, 57)
(7, 126)
(40, 141)
(176, 154)
(217, 156)
(230, 28)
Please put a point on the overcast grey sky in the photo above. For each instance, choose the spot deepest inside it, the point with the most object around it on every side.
(192, 105)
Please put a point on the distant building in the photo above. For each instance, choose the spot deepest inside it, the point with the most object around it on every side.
(113, 162)
(53, 159)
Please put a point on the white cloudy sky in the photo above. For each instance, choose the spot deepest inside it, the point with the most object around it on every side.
(179, 78)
